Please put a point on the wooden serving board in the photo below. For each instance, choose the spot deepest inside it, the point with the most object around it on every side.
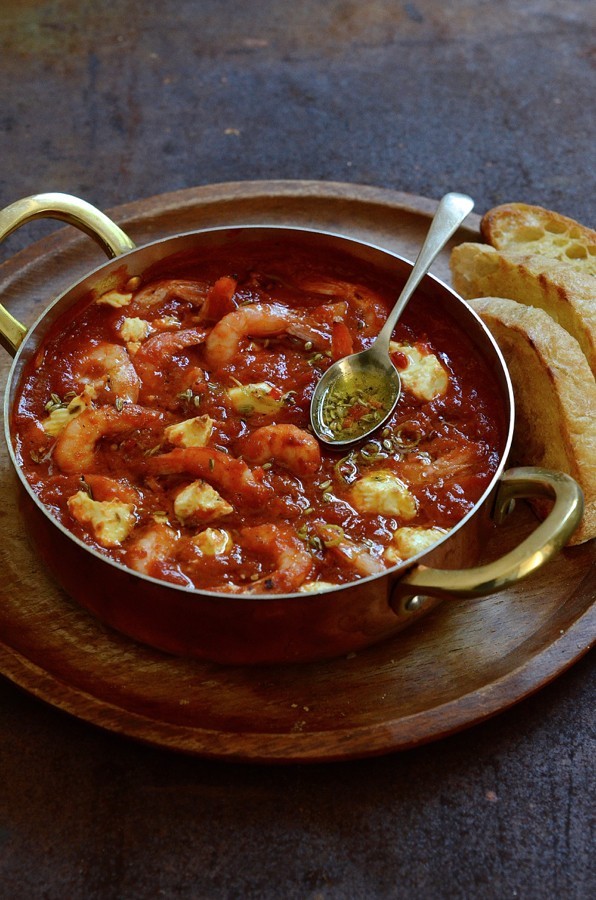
(462, 663)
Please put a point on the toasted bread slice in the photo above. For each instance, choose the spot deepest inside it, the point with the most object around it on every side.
(555, 397)
(534, 231)
(568, 296)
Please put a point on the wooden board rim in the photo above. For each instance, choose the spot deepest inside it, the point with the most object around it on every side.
(384, 736)
(358, 743)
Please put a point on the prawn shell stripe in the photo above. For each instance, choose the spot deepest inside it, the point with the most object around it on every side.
(172, 288)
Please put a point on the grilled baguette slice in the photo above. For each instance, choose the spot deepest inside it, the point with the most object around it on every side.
(535, 231)
(567, 295)
(555, 397)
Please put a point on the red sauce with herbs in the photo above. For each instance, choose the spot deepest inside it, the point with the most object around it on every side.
(166, 424)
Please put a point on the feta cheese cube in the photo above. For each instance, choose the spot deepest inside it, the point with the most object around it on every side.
(424, 376)
(213, 541)
(134, 329)
(408, 541)
(111, 521)
(199, 502)
(313, 587)
(193, 432)
(114, 298)
(254, 398)
(383, 493)
(59, 418)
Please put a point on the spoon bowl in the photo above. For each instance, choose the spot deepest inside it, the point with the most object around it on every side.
(368, 381)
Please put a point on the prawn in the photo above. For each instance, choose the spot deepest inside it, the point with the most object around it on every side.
(458, 463)
(261, 320)
(194, 292)
(97, 487)
(75, 448)
(153, 362)
(288, 445)
(215, 467)
(102, 487)
(151, 551)
(318, 323)
(357, 556)
(220, 299)
(293, 563)
(107, 369)
(368, 305)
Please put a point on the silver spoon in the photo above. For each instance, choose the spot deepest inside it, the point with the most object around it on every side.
(372, 371)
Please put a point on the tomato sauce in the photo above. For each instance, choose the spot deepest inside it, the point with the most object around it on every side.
(165, 423)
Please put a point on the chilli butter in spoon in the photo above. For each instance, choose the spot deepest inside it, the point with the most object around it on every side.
(370, 374)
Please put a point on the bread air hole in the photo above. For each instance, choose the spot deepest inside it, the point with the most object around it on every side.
(576, 251)
(529, 233)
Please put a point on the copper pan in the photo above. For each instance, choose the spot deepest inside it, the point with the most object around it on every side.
(243, 629)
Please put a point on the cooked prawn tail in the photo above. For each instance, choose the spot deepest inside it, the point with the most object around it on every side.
(292, 563)
(194, 292)
(75, 449)
(217, 468)
(356, 556)
(292, 447)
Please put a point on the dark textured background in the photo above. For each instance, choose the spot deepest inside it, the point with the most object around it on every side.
(122, 100)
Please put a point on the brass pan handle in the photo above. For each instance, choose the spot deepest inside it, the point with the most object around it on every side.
(550, 536)
(69, 209)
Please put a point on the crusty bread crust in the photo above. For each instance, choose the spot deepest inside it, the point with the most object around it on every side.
(555, 397)
(567, 295)
(535, 231)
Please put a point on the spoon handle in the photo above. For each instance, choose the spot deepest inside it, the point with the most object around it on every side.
(452, 210)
